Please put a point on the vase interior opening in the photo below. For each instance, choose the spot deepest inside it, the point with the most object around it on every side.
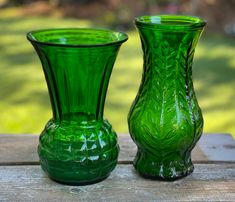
(171, 21)
(77, 37)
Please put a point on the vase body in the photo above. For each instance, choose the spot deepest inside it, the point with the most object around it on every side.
(165, 120)
(77, 145)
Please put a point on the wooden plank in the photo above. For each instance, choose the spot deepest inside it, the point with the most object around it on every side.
(22, 149)
(218, 147)
(18, 148)
(128, 150)
(211, 147)
(209, 182)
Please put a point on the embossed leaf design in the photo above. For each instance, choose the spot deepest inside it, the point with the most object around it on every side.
(165, 120)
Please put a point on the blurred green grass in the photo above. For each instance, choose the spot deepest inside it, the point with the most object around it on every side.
(24, 101)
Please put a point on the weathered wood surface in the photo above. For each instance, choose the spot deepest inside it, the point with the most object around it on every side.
(22, 149)
(18, 148)
(209, 182)
(128, 151)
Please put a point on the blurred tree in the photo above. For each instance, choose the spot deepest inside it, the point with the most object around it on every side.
(54, 2)
(162, 6)
(15, 2)
(63, 2)
(219, 14)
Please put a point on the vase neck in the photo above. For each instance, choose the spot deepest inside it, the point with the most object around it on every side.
(169, 51)
(77, 80)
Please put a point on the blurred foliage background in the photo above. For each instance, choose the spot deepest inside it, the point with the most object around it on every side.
(24, 101)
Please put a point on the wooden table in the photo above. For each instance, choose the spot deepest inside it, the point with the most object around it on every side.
(21, 178)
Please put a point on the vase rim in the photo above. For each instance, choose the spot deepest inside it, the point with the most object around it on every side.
(109, 37)
(170, 22)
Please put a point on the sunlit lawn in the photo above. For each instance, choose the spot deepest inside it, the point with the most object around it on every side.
(24, 102)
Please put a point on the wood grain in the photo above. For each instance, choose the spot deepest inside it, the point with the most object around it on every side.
(128, 151)
(22, 149)
(209, 182)
(18, 148)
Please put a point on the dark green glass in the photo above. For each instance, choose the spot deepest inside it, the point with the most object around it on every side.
(77, 145)
(165, 120)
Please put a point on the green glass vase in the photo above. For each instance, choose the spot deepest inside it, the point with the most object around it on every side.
(77, 145)
(165, 120)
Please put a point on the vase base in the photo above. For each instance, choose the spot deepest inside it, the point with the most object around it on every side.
(160, 178)
(151, 168)
(78, 183)
(75, 154)
(75, 176)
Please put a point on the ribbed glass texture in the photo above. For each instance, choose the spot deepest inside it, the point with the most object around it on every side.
(165, 120)
(77, 145)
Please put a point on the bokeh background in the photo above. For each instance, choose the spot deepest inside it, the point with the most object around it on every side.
(24, 101)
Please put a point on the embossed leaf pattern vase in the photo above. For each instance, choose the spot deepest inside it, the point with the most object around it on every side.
(165, 120)
(77, 145)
